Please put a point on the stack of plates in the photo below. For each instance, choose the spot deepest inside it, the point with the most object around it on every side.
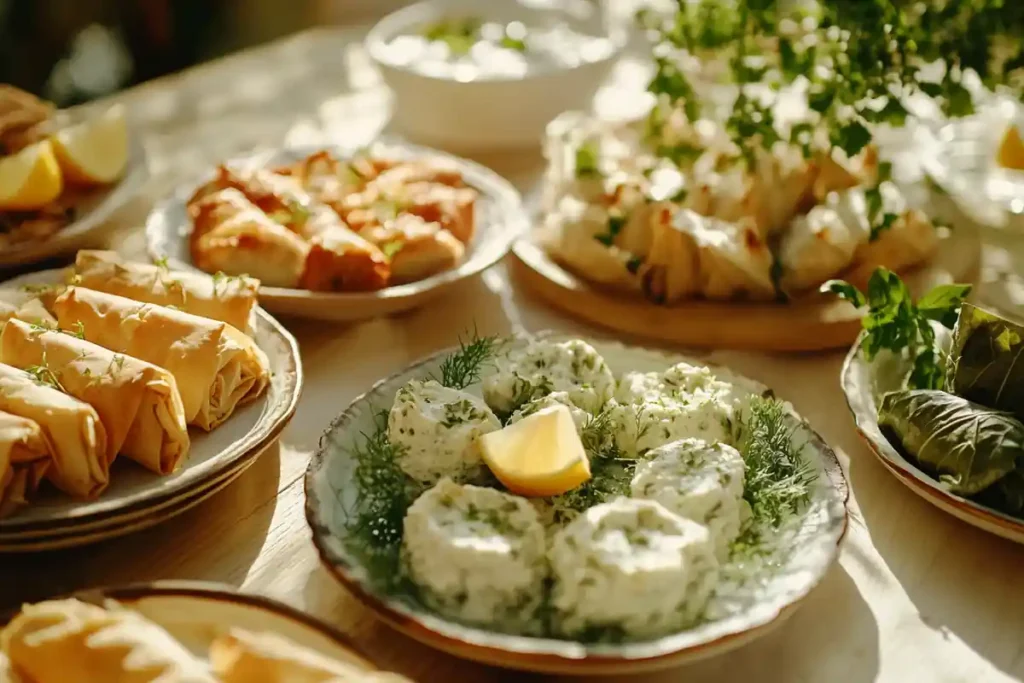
(137, 499)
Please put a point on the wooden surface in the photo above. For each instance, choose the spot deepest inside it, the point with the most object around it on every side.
(917, 595)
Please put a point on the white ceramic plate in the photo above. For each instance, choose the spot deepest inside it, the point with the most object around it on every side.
(91, 214)
(330, 502)
(864, 383)
(214, 457)
(500, 219)
(196, 613)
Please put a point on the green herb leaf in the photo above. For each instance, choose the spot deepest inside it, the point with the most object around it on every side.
(844, 290)
(463, 367)
(587, 161)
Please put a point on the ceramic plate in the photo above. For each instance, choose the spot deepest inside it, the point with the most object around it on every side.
(91, 213)
(500, 219)
(215, 457)
(196, 613)
(807, 556)
(864, 383)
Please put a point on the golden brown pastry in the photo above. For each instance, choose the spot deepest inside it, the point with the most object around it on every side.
(69, 641)
(245, 657)
(417, 249)
(216, 367)
(24, 459)
(338, 260)
(75, 437)
(228, 299)
(138, 403)
(230, 235)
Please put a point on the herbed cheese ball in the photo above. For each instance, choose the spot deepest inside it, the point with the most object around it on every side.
(631, 567)
(699, 481)
(434, 430)
(543, 367)
(641, 427)
(477, 554)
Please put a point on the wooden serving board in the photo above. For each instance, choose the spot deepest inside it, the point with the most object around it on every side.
(814, 323)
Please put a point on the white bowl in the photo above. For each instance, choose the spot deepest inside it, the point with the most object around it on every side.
(488, 113)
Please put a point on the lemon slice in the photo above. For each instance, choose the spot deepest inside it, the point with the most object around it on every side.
(1011, 150)
(94, 152)
(541, 455)
(30, 179)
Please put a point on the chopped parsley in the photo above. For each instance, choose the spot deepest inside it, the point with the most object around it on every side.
(587, 159)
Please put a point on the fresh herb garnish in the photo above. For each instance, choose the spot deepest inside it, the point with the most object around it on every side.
(458, 34)
(778, 480)
(43, 374)
(462, 368)
(616, 222)
(391, 248)
(78, 330)
(161, 262)
(894, 322)
(610, 473)
(587, 155)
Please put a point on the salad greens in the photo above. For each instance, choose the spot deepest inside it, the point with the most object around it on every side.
(894, 322)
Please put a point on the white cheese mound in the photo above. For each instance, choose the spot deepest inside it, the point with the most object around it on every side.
(560, 398)
(638, 428)
(698, 481)
(543, 367)
(633, 567)
(435, 429)
(477, 554)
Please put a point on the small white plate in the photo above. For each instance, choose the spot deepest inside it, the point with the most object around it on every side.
(864, 383)
(195, 613)
(500, 220)
(215, 458)
(92, 212)
(331, 502)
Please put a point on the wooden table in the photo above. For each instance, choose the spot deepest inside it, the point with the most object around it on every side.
(916, 596)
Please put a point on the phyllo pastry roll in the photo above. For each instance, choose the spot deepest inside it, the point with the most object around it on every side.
(137, 402)
(24, 458)
(75, 436)
(245, 657)
(69, 641)
(228, 299)
(26, 305)
(215, 366)
(232, 236)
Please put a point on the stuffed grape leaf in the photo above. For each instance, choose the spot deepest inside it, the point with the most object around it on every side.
(967, 446)
(986, 361)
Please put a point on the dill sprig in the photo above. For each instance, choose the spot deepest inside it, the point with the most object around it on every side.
(610, 473)
(463, 367)
(778, 479)
(384, 493)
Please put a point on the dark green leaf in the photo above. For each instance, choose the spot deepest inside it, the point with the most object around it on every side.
(942, 303)
(987, 360)
(968, 446)
(851, 138)
(844, 290)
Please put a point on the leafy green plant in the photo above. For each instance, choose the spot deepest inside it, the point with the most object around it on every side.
(894, 322)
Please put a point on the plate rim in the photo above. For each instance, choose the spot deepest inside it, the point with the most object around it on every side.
(514, 221)
(140, 501)
(966, 510)
(135, 177)
(543, 659)
(210, 590)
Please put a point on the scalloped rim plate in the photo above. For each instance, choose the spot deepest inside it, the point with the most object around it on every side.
(500, 222)
(196, 612)
(326, 515)
(148, 493)
(856, 381)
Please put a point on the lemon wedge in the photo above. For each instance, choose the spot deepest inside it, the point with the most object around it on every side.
(541, 455)
(1011, 150)
(30, 179)
(94, 152)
